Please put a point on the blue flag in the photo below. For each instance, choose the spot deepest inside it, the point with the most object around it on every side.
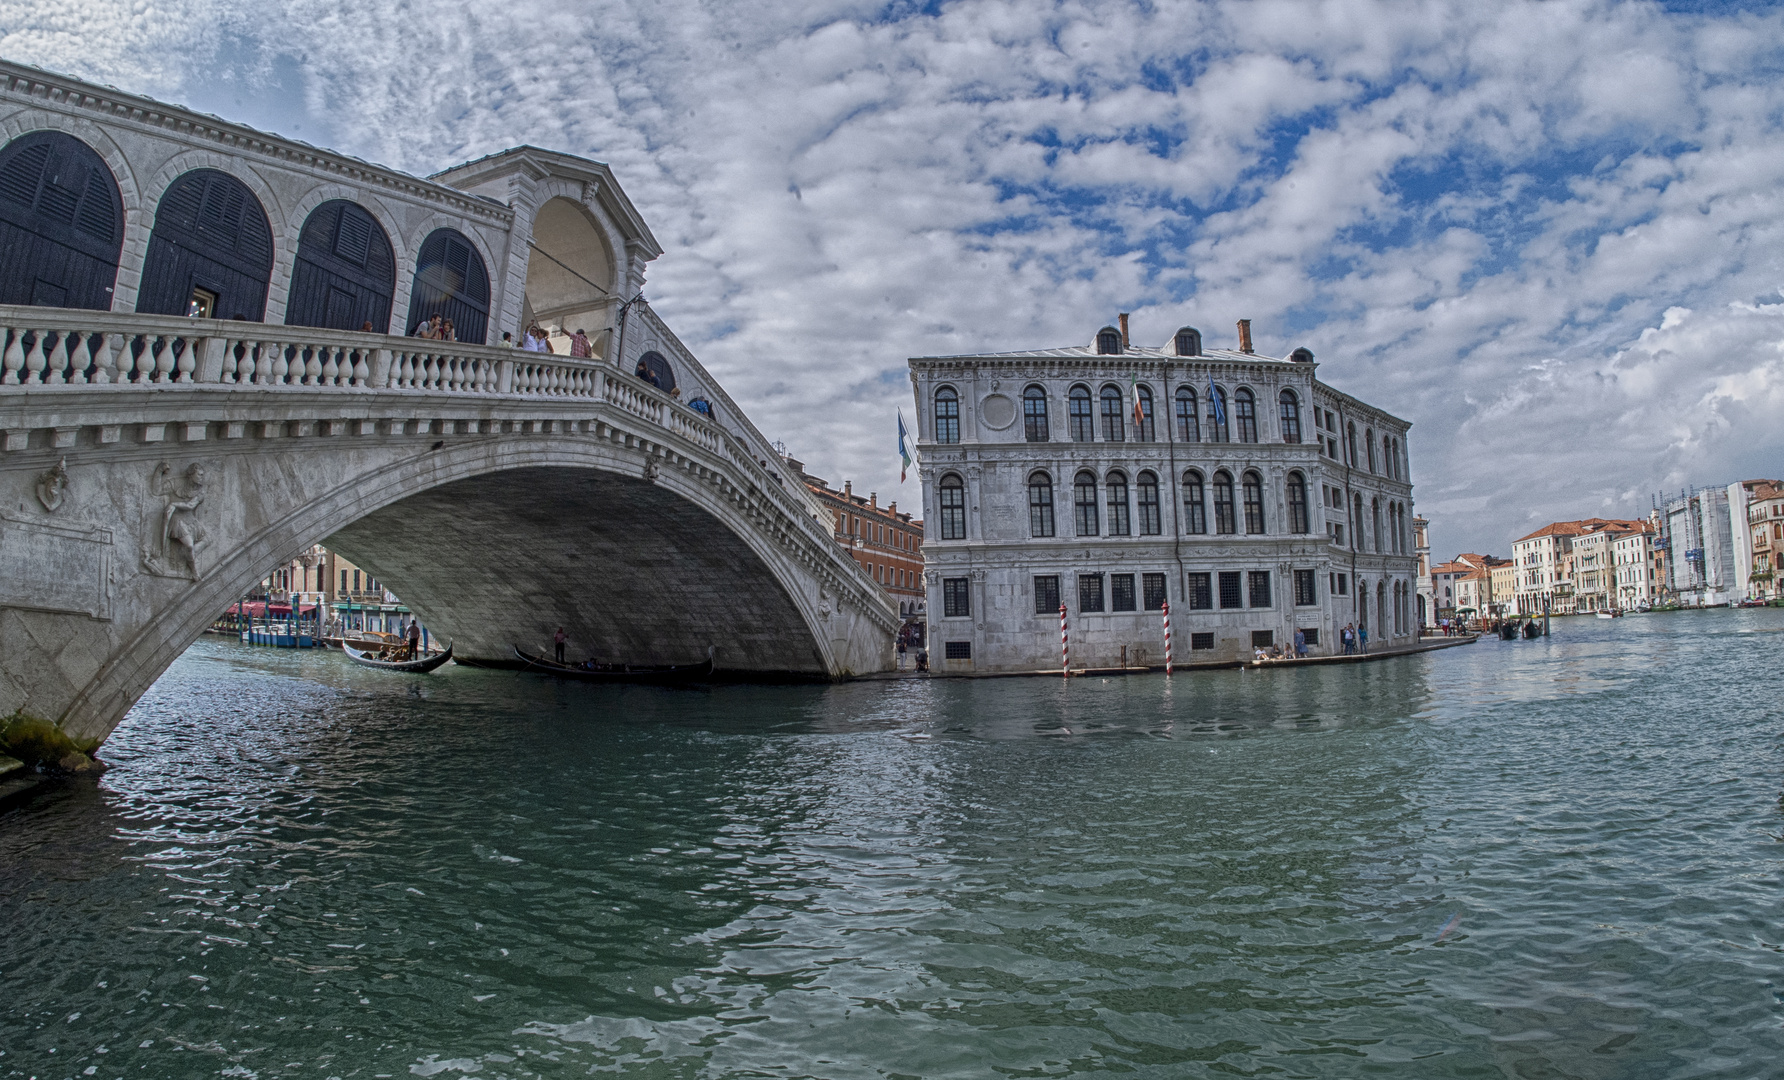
(904, 452)
(1217, 400)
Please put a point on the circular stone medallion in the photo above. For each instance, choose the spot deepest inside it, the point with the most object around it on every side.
(997, 411)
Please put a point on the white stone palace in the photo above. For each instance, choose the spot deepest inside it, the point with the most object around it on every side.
(1109, 477)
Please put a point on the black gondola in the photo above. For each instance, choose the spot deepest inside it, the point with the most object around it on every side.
(413, 667)
(1532, 630)
(670, 673)
(1508, 631)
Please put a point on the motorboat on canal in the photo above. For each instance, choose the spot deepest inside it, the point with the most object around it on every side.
(419, 666)
(660, 673)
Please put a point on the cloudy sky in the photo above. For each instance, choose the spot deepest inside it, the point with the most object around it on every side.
(1548, 234)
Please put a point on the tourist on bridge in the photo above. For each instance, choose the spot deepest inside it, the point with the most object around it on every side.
(446, 331)
(536, 340)
(579, 346)
(559, 639)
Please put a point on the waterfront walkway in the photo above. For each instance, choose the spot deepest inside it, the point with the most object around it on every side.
(1429, 644)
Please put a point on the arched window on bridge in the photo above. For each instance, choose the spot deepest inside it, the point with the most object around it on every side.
(211, 253)
(451, 281)
(61, 223)
(656, 371)
(345, 272)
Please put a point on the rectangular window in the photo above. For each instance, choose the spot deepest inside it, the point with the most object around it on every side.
(1090, 592)
(1263, 639)
(1201, 641)
(956, 601)
(957, 650)
(1306, 588)
(1343, 585)
(1121, 592)
(343, 581)
(1311, 634)
(1260, 588)
(355, 581)
(1230, 596)
(1046, 594)
(1152, 588)
(1201, 592)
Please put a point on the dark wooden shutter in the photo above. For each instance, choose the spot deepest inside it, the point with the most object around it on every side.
(211, 233)
(451, 280)
(345, 271)
(61, 223)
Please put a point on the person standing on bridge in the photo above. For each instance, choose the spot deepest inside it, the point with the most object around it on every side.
(579, 346)
(559, 639)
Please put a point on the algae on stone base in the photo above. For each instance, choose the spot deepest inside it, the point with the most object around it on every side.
(42, 744)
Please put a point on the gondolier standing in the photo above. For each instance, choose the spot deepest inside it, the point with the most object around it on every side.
(414, 639)
(559, 640)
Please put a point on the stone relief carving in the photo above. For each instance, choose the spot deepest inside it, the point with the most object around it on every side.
(651, 469)
(175, 537)
(52, 486)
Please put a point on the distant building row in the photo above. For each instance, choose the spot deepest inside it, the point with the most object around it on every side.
(1707, 547)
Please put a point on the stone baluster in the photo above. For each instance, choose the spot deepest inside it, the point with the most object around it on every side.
(230, 370)
(104, 348)
(187, 362)
(55, 361)
(80, 356)
(362, 373)
(34, 362)
(282, 357)
(14, 359)
(164, 360)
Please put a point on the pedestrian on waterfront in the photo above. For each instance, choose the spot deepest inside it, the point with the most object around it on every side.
(1300, 644)
(1363, 638)
(922, 659)
(901, 650)
(559, 641)
(414, 636)
(1349, 637)
(579, 346)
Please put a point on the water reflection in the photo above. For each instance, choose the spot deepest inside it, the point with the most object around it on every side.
(1513, 858)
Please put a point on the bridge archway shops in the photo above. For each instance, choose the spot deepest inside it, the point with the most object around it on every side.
(61, 223)
(345, 273)
(211, 253)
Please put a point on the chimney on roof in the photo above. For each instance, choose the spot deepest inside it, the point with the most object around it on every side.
(892, 507)
(1124, 329)
(848, 488)
(873, 499)
(1244, 335)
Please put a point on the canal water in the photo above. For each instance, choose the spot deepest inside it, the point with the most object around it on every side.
(1555, 858)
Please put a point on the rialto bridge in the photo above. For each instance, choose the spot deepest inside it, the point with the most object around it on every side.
(156, 460)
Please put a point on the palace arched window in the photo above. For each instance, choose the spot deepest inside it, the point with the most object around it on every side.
(1298, 521)
(951, 503)
(1350, 444)
(1040, 504)
(1225, 520)
(1189, 423)
(1108, 341)
(1034, 414)
(1369, 442)
(1084, 503)
(1375, 520)
(1114, 416)
(1195, 508)
(1082, 417)
(1116, 488)
(1218, 431)
(1146, 494)
(947, 415)
(1245, 409)
(211, 253)
(1291, 416)
(61, 223)
(1146, 433)
(1358, 541)
(1189, 342)
(1254, 503)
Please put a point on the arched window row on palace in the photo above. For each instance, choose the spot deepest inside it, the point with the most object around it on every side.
(1114, 413)
(211, 250)
(1111, 505)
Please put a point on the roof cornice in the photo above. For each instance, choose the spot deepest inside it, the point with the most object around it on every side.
(542, 163)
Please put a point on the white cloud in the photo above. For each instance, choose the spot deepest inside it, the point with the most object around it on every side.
(1544, 232)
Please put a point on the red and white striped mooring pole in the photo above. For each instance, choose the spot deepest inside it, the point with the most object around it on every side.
(1065, 648)
(1167, 637)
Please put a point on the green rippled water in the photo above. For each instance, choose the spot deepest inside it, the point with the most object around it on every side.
(1525, 859)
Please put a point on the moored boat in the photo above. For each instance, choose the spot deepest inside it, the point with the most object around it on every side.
(419, 666)
(617, 672)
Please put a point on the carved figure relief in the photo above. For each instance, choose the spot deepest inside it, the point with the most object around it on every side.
(651, 469)
(176, 538)
(52, 486)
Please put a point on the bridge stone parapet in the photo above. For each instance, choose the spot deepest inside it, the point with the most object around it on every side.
(152, 468)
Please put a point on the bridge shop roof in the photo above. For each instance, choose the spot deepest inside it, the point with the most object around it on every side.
(1134, 352)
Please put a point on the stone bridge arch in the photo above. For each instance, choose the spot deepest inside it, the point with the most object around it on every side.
(500, 494)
